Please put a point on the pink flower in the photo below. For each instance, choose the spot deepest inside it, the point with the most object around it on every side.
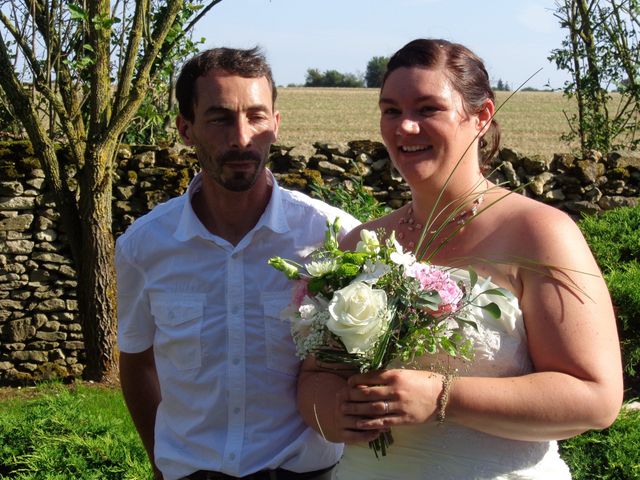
(299, 292)
(433, 278)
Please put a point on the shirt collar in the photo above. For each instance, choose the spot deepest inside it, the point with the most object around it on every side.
(273, 218)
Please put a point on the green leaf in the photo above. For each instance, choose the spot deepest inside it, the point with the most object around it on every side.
(496, 291)
(492, 309)
(77, 12)
(430, 296)
(473, 277)
(104, 21)
(448, 346)
(316, 284)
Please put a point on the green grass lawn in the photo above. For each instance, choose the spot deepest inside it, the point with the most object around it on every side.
(69, 433)
(84, 432)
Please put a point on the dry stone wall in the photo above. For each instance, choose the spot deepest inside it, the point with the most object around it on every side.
(40, 335)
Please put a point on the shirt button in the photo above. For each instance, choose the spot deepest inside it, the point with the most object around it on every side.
(236, 410)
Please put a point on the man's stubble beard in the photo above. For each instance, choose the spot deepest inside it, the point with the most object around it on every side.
(236, 181)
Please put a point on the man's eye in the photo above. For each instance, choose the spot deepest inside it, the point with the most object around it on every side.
(390, 111)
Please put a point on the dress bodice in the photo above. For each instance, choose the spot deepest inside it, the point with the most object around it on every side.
(451, 451)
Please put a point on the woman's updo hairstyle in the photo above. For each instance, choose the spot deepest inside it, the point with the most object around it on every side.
(465, 71)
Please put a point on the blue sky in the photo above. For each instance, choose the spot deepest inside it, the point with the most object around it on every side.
(514, 37)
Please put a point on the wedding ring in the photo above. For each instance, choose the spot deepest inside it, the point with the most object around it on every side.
(386, 407)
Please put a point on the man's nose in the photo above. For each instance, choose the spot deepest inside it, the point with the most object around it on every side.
(241, 135)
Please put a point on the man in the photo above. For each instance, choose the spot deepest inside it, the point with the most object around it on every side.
(208, 370)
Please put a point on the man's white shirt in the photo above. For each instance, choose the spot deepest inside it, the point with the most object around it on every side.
(225, 360)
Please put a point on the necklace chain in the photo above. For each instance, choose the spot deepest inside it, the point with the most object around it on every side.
(411, 224)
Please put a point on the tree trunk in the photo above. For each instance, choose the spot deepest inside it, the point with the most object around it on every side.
(96, 276)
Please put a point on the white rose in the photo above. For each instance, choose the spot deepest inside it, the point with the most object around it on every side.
(358, 315)
(368, 243)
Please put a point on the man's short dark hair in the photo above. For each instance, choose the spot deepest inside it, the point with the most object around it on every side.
(249, 63)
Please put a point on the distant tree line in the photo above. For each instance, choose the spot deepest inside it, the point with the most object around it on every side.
(332, 78)
(502, 86)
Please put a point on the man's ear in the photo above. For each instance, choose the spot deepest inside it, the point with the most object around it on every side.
(184, 129)
(276, 127)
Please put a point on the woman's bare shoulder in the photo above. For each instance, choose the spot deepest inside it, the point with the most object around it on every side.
(378, 225)
(538, 231)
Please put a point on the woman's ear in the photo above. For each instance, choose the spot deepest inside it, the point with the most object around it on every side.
(485, 116)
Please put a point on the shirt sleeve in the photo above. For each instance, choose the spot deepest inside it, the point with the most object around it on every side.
(136, 328)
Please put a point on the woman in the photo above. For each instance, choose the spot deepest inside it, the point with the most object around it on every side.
(548, 369)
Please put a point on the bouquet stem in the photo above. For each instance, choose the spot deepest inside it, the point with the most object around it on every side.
(380, 444)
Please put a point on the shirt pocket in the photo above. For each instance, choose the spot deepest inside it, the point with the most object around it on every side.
(179, 323)
(280, 349)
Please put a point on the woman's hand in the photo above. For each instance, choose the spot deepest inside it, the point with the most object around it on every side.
(379, 400)
(348, 425)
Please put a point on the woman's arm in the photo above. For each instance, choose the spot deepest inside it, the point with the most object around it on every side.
(573, 344)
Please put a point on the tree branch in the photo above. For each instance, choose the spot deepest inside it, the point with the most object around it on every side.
(24, 108)
(128, 69)
(42, 86)
(140, 85)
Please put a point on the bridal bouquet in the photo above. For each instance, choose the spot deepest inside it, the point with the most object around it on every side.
(369, 307)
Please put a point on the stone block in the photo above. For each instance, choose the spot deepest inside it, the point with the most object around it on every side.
(51, 336)
(18, 223)
(29, 356)
(19, 246)
(50, 257)
(51, 305)
(330, 168)
(75, 345)
(17, 331)
(11, 189)
(47, 236)
(17, 203)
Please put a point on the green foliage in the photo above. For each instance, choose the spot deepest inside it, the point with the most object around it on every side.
(63, 433)
(354, 199)
(610, 454)
(154, 120)
(623, 285)
(601, 53)
(613, 237)
(615, 242)
(332, 78)
(375, 71)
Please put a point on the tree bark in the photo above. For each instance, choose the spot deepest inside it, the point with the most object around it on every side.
(96, 276)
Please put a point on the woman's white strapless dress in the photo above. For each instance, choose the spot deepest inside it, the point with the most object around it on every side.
(453, 452)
